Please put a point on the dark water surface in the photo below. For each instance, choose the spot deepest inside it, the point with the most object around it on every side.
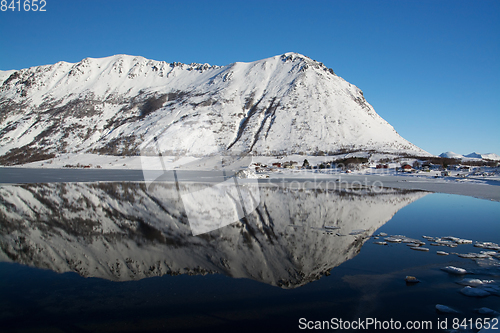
(121, 257)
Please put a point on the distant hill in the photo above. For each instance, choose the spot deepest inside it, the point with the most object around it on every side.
(489, 156)
(450, 154)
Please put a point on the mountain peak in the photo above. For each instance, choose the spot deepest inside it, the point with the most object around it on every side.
(297, 57)
(488, 156)
(293, 56)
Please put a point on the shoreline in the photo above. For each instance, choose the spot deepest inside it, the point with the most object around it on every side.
(487, 190)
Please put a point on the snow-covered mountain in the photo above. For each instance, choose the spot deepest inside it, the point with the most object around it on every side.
(450, 154)
(489, 156)
(474, 155)
(116, 105)
(122, 231)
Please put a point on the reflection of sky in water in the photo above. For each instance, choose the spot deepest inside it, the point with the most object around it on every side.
(369, 284)
(436, 215)
(450, 215)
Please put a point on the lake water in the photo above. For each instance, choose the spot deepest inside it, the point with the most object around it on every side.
(121, 257)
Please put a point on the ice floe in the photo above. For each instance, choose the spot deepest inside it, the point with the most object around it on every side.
(487, 312)
(418, 248)
(445, 309)
(404, 239)
(454, 270)
(488, 245)
(393, 239)
(450, 238)
(473, 255)
(475, 282)
(492, 289)
(474, 292)
(479, 288)
(490, 253)
(450, 241)
(488, 261)
(439, 242)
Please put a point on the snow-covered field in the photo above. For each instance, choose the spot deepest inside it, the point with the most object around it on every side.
(93, 161)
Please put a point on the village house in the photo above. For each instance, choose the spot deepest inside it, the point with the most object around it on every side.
(382, 166)
(406, 168)
(290, 164)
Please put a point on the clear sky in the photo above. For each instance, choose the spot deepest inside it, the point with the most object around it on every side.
(430, 68)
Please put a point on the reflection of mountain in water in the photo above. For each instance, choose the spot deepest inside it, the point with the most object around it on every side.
(120, 231)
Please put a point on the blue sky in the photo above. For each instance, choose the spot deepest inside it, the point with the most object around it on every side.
(430, 68)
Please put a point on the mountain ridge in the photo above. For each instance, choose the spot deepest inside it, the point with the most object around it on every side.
(473, 155)
(115, 105)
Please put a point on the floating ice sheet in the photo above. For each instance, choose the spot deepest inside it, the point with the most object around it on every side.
(454, 270)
